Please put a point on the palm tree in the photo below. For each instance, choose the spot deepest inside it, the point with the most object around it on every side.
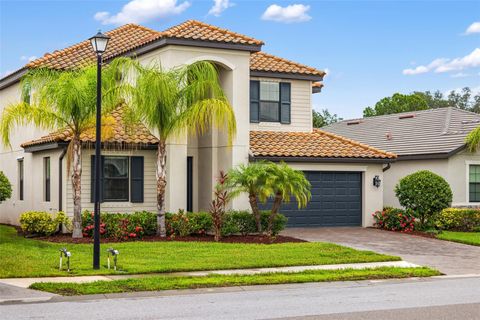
(63, 100)
(287, 182)
(253, 180)
(188, 99)
(473, 139)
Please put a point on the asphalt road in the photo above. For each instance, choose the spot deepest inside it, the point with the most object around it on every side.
(434, 298)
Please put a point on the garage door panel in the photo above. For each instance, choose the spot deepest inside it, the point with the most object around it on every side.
(336, 201)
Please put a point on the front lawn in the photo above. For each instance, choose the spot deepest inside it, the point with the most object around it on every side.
(155, 283)
(22, 257)
(472, 238)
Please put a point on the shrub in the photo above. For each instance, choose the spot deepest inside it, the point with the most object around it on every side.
(395, 219)
(42, 223)
(200, 223)
(425, 193)
(278, 224)
(458, 219)
(244, 221)
(5, 187)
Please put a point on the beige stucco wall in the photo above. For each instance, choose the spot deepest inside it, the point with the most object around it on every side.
(300, 109)
(372, 197)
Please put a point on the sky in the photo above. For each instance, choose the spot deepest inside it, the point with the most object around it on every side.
(369, 49)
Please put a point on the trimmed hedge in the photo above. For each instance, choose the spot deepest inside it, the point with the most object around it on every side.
(42, 223)
(458, 219)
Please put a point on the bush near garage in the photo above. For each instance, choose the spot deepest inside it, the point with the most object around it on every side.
(42, 223)
(5, 187)
(424, 193)
(458, 219)
(394, 219)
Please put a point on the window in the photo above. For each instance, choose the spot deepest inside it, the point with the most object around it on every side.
(474, 183)
(20, 179)
(121, 179)
(46, 179)
(269, 101)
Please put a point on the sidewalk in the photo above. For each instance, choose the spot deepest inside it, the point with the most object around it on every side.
(26, 282)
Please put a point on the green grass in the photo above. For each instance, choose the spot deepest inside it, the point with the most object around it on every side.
(472, 238)
(22, 257)
(156, 283)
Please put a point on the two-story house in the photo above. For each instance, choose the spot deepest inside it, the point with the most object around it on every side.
(271, 98)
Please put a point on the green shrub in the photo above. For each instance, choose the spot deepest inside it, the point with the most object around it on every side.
(244, 221)
(425, 193)
(458, 219)
(5, 187)
(229, 226)
(42, 223)
(199, 222)
(279, 222)
(394, 219)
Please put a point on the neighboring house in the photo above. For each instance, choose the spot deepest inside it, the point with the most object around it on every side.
(271, 98)
(423, 140)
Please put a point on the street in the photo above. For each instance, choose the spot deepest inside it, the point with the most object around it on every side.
(433, 298)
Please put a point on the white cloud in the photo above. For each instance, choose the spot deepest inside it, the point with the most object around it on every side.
(288, 14)
(471, 60)
(25, 58)
(473, 28)
(219, 6)
(138, 11)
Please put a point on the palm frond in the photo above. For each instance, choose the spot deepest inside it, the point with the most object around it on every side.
(473, 140)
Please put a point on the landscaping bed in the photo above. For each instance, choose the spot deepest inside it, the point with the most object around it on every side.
(156, 283)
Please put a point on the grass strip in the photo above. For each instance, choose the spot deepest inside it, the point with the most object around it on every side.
(471, 238)
(156, 283)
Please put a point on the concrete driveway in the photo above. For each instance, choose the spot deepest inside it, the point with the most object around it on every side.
(448, 257)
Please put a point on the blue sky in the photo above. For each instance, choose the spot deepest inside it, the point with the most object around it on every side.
(371, 49)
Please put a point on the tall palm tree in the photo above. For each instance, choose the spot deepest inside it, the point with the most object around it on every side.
(187, 99)
(286, 183)
(253, 180)
(63, 100)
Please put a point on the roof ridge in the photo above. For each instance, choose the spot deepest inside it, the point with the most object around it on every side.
(354, 142)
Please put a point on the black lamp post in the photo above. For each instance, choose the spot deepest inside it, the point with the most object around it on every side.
(99, 43)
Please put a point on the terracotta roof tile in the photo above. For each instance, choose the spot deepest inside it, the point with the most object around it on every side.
(261, 61)
(315, 144)
(136, 134)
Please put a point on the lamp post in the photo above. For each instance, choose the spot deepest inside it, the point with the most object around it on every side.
(99, 44)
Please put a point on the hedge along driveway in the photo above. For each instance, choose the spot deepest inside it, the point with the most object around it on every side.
(32, 258)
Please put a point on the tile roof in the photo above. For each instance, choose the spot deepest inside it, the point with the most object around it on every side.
(433, 131)
(261, 61)
(131, 36)
(137, 134)
(315, 144)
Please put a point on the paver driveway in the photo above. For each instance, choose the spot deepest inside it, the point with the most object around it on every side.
(448, 257)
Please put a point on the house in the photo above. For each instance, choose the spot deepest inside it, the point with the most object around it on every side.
(271, 98)
(432, 140)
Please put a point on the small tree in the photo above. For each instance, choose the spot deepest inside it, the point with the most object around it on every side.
(218, 205)
(286, 183)
(424, 192)
(5, 187)
(251, 179)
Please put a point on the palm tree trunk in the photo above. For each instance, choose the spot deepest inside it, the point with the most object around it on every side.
(256, 212)
(161, 187)
(77, 187)
(275, 208)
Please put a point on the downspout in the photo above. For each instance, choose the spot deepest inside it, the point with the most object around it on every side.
(60, 179)
(387, 167)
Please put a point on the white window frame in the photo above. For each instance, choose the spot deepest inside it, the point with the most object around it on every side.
(468, 163)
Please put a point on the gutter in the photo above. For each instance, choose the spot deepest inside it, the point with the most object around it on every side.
(60, 179)
(388, 166)
(321, 160)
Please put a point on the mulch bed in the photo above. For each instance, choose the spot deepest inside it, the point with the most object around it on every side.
(67, 238)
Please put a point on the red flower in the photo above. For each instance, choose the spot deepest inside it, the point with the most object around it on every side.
(132, 235)
(138, 229)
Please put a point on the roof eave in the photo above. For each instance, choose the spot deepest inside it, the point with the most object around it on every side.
(322, 159)
(431, 156)
(12, 78)
(286, 75)
(62, 144)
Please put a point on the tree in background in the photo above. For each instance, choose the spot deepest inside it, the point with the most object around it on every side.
(396, 104)
(323, 118)
(5, 187)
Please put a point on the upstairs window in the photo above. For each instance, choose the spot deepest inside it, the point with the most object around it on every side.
(269, 101)
(474, 183)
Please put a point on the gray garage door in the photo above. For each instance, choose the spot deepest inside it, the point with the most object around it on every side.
(336, 201)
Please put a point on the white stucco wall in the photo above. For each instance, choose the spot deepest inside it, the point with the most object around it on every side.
(372, 197)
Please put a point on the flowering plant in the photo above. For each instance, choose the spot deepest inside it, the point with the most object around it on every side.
(395, 219)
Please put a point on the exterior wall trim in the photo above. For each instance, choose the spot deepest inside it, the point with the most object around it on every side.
(285, 75)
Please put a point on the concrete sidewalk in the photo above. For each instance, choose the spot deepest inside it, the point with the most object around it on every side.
(26, 282)
(15, 294)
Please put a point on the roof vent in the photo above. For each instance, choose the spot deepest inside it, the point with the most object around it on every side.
(407, 116)
(354, 122)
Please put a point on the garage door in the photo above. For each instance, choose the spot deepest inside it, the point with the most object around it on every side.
(336, 201)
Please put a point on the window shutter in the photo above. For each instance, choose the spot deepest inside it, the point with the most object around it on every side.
(254, 101)
(92, 180)
(285, 102)
(136, 180)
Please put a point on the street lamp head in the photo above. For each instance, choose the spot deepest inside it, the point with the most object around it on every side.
(99, 42)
